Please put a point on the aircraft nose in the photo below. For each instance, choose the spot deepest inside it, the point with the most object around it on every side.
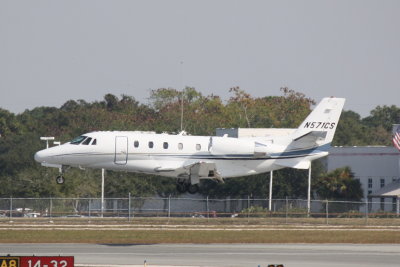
(39, 156)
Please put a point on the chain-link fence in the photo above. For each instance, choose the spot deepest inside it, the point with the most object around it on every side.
(131, 207)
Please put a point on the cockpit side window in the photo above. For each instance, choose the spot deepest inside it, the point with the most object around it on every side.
(78, 140)
(94, 142)
(87, 141)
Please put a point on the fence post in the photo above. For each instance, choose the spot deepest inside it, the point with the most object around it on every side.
(129, 207)
(169, 206)
(248, 208)
(11, 207)
(327, 210)
(89, 208)
(208, 215)
(133, 208)
(286, 210)
(51, 210)
(366, 210)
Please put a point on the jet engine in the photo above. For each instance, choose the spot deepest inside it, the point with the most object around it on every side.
(228, 146)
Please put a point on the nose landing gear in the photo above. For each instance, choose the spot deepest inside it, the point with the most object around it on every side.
(60, 179)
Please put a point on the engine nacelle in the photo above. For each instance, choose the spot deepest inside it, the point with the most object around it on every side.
(228, 146)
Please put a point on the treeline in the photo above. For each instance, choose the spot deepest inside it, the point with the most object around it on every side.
(21, 176)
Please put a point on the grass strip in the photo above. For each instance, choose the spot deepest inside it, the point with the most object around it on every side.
(198, 237)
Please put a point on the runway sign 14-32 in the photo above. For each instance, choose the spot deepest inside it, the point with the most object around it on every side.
(36, 261)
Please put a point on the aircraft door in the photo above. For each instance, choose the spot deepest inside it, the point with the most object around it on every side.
(121, 150)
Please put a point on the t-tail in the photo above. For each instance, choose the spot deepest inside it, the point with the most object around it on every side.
(318, 129)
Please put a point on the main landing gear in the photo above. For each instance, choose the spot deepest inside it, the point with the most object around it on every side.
(183, 186)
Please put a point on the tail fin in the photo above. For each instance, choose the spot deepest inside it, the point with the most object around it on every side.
(320, 126)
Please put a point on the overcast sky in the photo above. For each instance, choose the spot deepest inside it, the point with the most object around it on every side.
(54, 51)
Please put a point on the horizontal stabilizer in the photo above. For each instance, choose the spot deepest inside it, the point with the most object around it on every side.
(312, 136)
(309, 139)
(294, 163)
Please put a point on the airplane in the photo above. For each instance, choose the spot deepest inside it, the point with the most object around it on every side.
(190, 159)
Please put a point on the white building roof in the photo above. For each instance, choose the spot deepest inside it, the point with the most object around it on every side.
(391, 190)
(366, 160)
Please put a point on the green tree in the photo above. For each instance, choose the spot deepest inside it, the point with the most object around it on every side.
(384, 116)
(21, 176)
(339, 184)
(350, 130)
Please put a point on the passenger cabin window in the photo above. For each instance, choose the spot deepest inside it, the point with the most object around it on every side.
(180, 146)
(87, 141)
(198, 146)
(78, 140)
(151, 144)
(94, 142)
(165, 145)
(136, 143)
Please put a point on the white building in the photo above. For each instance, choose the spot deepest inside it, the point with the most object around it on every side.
(377, 168)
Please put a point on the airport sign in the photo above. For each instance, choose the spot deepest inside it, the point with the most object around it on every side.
(37, 261)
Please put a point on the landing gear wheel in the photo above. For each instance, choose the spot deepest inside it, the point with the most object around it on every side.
(60, 179)
(181, 187)
(193, 188)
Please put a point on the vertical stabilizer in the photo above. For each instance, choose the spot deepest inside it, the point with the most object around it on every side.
(322, 121)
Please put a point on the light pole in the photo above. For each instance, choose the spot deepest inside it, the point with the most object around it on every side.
(309, 192)
(102, 192)
(270, 190)
(182, 94)
(47, 138)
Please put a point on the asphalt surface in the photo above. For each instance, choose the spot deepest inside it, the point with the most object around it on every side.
(219, 255)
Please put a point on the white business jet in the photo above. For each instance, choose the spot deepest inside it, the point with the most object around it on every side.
(192, 158)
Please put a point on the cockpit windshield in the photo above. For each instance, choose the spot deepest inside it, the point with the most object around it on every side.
(78, 140)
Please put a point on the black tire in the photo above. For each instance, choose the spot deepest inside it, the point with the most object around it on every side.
(193, 188)
(181, 187)
(60, 179)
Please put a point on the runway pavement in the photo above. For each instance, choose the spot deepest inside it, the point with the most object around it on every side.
(219, 255)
